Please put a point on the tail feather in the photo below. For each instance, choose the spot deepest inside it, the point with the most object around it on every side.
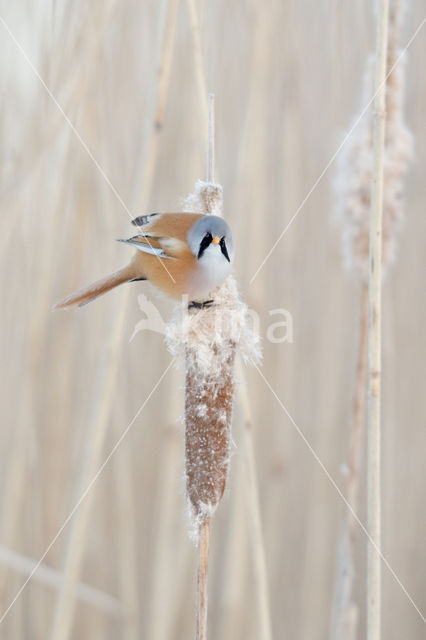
(87, 294)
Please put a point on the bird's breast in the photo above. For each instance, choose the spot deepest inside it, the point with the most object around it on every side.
(210, 272)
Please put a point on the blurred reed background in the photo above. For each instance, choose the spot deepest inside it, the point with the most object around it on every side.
(287, 78)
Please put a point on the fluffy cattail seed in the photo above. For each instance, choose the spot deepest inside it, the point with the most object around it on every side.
(207, 339)
(354, 174)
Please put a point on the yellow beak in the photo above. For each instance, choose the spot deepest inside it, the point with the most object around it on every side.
(216, 240)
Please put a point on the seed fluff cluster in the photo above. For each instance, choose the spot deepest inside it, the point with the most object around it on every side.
(354, 172)
(207, 340)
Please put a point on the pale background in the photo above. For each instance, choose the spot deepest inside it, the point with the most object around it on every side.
(287, 78)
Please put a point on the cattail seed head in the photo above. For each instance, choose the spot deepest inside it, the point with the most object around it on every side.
(354, 172)
(207, 340)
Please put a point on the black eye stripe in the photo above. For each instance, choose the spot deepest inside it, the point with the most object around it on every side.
(224, 249)
(205, 242)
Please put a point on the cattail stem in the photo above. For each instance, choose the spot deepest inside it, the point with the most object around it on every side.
(210, 140)
(374, 334)
(210, 336)
(204, 526)
(203, 561)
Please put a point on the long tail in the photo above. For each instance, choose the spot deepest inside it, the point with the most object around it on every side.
(87, 294)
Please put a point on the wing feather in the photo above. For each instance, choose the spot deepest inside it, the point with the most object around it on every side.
(163, 234)
(168, 225)
(148, 244)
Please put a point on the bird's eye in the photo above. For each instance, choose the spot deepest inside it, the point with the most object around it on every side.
(205, 242)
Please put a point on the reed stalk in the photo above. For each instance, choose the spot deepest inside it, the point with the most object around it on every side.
(65, 604)
(44, 575)
(374, 333)
(159, 626)
(344, 610)
(264, 627)
(198, 60)
(125, 509)
(371, 174)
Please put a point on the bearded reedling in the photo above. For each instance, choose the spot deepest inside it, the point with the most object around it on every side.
(182, 254)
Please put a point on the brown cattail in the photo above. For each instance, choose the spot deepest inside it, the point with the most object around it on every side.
(208, 414)
(209, 337)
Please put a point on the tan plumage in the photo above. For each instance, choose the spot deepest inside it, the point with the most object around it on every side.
(165, 258)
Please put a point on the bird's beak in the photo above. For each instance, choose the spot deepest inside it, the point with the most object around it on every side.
(216, 241)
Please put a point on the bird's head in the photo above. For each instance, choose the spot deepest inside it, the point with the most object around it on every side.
(211, 237)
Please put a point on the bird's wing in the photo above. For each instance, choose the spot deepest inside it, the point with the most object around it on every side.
(164, 234)
(149, 244)
(141, 221)
(167, 225)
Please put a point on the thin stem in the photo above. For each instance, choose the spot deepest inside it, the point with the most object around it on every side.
(198, 57)
(357, 435)
(374, 335)
(344, 611)
(45, 575)
(203, 560)
(148, 158)
(264, 628)
(210, 140)
(204, 528)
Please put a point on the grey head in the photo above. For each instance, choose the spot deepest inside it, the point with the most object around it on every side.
(211, 230)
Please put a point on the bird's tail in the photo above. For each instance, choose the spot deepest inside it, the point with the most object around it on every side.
(87, 294)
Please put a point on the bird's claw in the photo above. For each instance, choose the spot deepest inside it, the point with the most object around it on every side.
(200, 305)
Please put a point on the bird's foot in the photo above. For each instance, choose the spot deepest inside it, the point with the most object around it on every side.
(200, 305)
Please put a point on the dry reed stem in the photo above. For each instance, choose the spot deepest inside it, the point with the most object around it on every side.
(357, 200)
(233, 571)
(75, 545)
(198, 62)
(264, 627)
(33, 397)
(45, 575)
(345, 610)
(145, 165)
(159, 623)
(65, 604)
(374, 334)
(16, 475)
(203, 561)
(127, 536)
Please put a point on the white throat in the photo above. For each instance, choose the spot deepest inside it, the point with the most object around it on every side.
(211, 271)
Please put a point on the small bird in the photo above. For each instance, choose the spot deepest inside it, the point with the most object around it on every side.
(179, 253)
